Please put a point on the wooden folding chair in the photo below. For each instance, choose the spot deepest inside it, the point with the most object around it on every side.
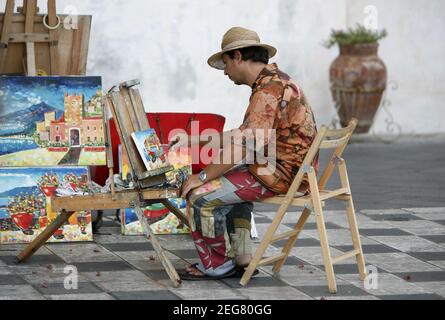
(314, 202)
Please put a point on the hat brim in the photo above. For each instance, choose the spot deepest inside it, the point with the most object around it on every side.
(216, 60)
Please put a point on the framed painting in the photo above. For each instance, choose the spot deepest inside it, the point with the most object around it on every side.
(25, 203)
(51, 121)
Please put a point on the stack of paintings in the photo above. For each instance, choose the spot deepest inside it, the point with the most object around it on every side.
(51, 130)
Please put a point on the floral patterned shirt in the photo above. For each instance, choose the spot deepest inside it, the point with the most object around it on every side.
(294, 124)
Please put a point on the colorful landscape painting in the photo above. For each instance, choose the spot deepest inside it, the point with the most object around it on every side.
(51, 121)
(150, 149)
(161, 219)
(25, 203)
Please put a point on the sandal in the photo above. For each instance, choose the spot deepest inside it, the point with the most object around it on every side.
(186, 276)
(204, 277)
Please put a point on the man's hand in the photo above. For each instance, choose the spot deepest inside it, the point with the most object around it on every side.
(190, 184)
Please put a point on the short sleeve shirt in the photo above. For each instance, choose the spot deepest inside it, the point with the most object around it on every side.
(294, 125)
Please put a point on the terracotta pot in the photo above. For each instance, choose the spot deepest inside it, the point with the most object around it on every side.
(358, 79)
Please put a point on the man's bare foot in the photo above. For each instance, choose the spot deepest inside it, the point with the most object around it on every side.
(243, 261)
(193, 271)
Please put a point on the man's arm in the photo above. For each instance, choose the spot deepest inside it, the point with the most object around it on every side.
(258, 122)
(229, 156)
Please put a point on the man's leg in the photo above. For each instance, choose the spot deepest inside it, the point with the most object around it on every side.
(208, 214)
(239, 226)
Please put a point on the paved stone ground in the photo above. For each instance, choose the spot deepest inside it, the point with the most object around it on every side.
(399, 195)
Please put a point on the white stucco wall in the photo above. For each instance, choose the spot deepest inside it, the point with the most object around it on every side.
(166, 43)
(414, 53)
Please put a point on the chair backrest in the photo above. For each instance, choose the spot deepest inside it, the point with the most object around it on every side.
(336, 139)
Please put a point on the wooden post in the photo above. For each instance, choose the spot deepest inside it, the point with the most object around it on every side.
(168, 266)
(30, 7)
(6, 28)
(54, 35)
(178, 213)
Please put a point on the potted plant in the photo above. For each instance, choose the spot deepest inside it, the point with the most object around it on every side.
(358, 76)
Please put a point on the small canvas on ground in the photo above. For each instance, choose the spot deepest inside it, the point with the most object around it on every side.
(51, 121)
(25, 203)
(150, 149)
(161, 219)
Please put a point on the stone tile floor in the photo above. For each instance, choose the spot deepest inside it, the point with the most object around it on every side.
(403, 239)
(410, 264)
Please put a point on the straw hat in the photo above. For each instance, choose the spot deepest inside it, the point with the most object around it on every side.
(238, 38)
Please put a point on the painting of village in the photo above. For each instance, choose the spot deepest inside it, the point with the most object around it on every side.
(51, 121)
(25, 203)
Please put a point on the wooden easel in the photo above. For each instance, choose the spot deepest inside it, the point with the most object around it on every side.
(129, 116)
(29, 10)
(33, 44)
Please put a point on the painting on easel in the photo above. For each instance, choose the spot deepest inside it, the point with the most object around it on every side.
(25, 203)
(162, 221)
(150, 149)
(51, 121)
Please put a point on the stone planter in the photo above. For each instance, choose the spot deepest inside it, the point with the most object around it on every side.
(358, 79)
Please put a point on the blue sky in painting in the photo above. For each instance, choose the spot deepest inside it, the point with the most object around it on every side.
(18, 93)
(27, 177)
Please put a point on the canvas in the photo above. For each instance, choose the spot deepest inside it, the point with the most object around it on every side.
(25, 203)
(51, 121)
(161, 219)
(150, 149)
(124, 165)
(181, 160)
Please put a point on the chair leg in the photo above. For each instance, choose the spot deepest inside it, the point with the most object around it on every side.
(352, 219)
(264, 244)
(327, 259)
(254, 263)
(356, 239)
(257, 256)
(291, 242)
